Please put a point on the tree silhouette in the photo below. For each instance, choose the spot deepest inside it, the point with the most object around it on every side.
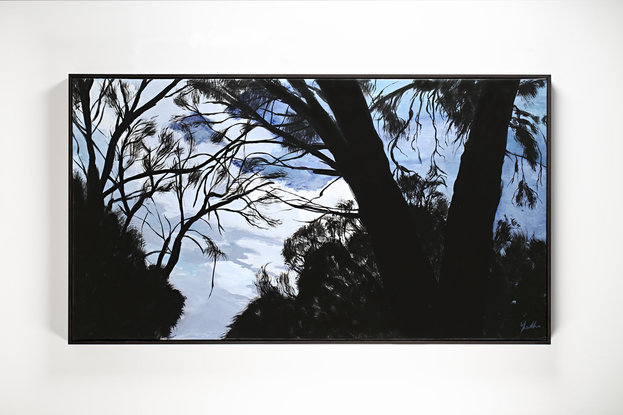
(481, 112)
(327, 126)
(429, 260)
(125, 169)
(346, 144)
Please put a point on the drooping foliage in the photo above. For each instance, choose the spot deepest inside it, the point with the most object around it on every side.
(452, 103)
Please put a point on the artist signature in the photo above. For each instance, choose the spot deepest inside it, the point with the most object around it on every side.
(526, 326)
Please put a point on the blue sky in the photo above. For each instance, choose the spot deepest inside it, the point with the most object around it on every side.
(206, 316)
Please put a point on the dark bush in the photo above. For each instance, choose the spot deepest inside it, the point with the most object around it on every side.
(114, 294)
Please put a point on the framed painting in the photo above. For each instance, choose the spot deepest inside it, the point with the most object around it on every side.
(209, 209)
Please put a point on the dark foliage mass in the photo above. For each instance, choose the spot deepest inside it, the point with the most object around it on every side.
(405, 263)
(517, 285)
(115, 295)
(339, 293)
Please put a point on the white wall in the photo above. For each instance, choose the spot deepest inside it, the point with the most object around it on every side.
(578, 43)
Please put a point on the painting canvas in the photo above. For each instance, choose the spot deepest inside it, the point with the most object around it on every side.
(309, 209)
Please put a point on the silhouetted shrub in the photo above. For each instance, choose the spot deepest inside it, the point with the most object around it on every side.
(336, 298)
(115, 295)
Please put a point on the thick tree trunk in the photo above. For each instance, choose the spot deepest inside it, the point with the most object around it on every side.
(469, 226)
(406, 272)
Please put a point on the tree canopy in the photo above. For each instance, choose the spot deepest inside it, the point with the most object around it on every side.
(236, 146)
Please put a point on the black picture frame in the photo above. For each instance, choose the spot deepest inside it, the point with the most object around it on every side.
(429, 246)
